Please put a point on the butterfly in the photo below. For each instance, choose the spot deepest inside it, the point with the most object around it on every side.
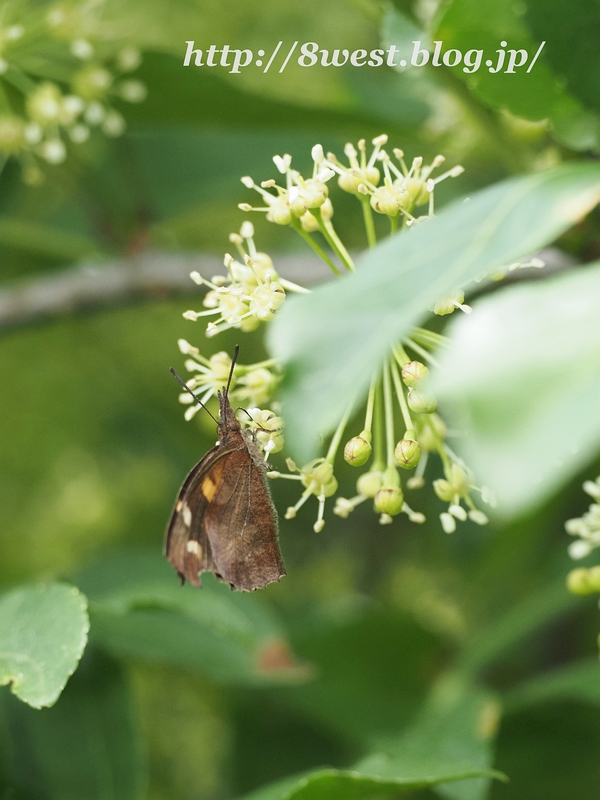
(224, 520)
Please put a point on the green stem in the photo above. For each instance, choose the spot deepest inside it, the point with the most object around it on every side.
(429, 338)
(332, 238)
(389, 415)
(297, 226)
(400, 355)
(368, 218)
(370, 404)
(378, 460)
(393, 224)
(337, 436)
(423, 353)
(401, 398)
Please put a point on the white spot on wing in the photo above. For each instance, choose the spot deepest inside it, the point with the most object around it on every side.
(187, 515)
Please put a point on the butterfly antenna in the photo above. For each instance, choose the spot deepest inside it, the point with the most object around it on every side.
(187, 388)
(233, 360)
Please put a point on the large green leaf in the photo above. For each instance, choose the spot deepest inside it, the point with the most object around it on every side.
(87, 746)
(334, 784)
(139, 609)
(448, 746)
(534, 95)
(43, 631)
(521, 382)
(331, 340)
(578, 681)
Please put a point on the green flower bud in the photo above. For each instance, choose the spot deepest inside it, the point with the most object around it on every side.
(578, 583)
(384, 200)
(358, 450)
(449, 305)
(389, 500)
(413, 373)
(443, 489)
(407, 453)
(12, 134)
(92, 82)
(421, 402)
(415, 193)
(428, 437)
(594, 578)
(369, 484)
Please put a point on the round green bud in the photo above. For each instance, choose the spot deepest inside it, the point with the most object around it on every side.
(578, 583)
(389, 500)
(369, 484)
(357, 451)
(413, 373)
(420, 402)
(407, 453)
(443, 489)
(415, 193)
(594, 578)
(427, 437)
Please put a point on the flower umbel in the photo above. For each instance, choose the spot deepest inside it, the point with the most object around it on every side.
(52, 116)
(401, 429)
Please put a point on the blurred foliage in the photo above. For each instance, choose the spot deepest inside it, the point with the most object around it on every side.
(392, 660)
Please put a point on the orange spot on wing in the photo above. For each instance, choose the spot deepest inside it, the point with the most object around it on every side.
(211, 482)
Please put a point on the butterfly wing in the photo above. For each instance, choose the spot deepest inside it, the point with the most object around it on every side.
(224, 522)
(241, 525)
(187, 546)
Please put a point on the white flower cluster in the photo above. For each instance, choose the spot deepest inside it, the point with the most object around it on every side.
(249, 294)
(56, 115)
(587, 527)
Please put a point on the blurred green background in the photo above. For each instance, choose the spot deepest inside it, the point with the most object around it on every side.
(166, 704)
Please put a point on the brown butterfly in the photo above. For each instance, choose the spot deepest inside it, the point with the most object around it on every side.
(224, 520)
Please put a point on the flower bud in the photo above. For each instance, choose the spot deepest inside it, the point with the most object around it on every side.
(578, 583)
(443, 489)
(369, 484)
(413, 373)
(428, 438)
(415, 193)
(358, 450)
(421, 402)
(407, 453)
(389, 500)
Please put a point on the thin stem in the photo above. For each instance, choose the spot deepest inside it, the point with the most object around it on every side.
(368, 219)
(370, 404)
(389, 415)
(401, 398)
(330, 235)
(393, 224)
(400, 355)
(297, 226)
(423, 353)
(378, 460)
(337, 436)
(343, 253)
(427, 337)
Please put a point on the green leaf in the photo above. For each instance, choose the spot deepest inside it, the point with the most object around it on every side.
(579, 681)
(334, 784)
(523, 619)
(453, 732)
(448, 746)
(43, 632)
(521, 380)
(87, 746)
(535, 95)
(139, 609)
(35, 237)
(331, 340)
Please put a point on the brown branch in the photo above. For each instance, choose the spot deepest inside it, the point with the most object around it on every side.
(155, 275)
(151, 275)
